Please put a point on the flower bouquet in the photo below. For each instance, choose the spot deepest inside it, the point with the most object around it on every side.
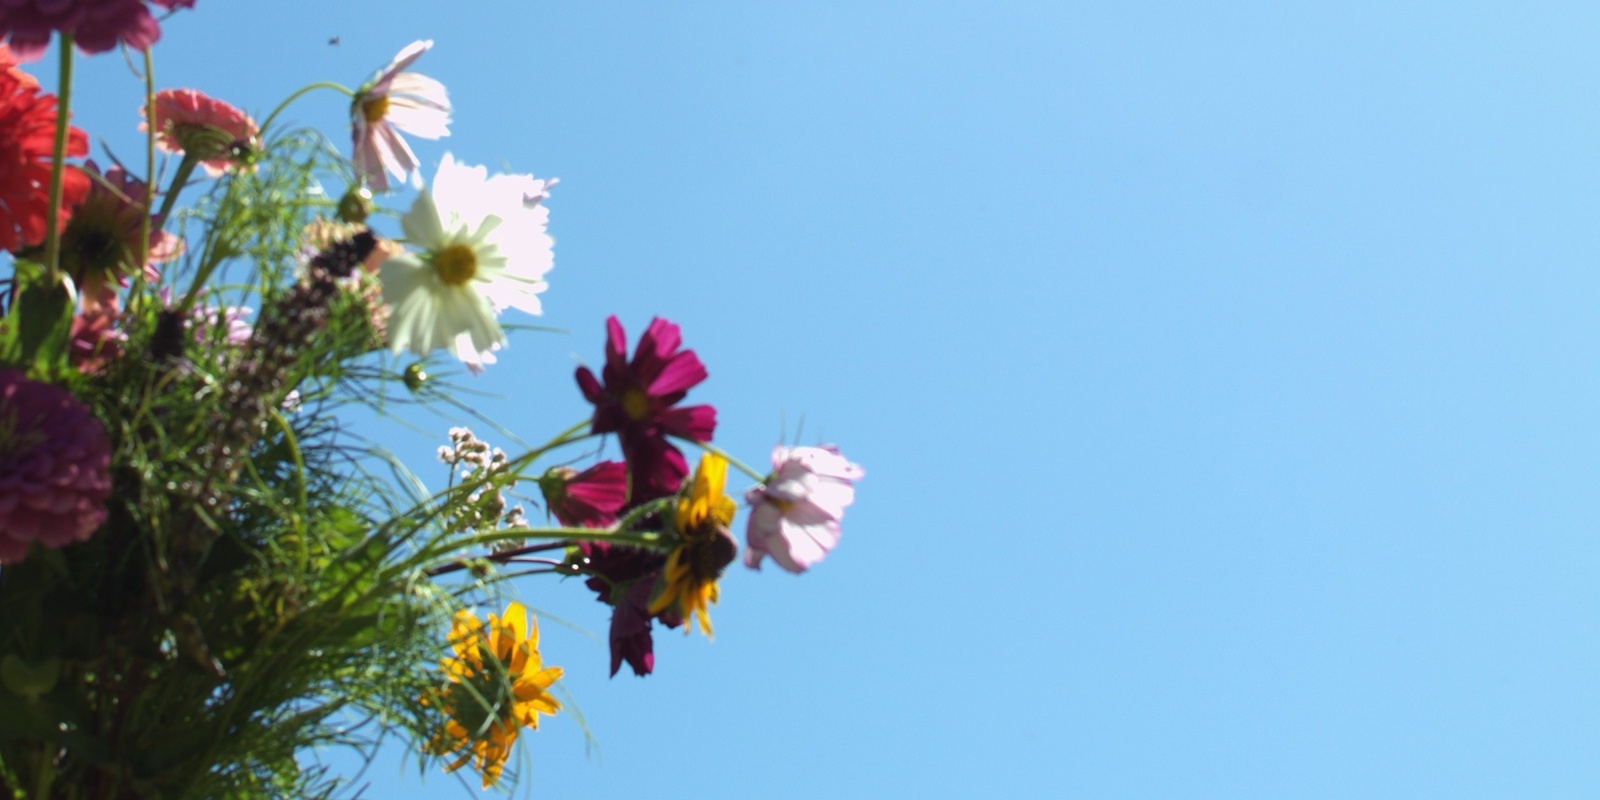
(204, 569)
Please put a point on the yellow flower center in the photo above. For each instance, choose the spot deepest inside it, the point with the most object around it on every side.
(375, 109)
(456, 264)
(636, 404)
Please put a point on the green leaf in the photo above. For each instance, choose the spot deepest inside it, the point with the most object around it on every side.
(29, 680)
(43, 320)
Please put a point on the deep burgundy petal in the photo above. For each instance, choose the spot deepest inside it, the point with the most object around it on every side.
(690, 422)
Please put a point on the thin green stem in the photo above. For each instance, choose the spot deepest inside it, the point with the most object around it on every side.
(149, 176)
(52, 245)
(47, 770)
(647, 539)
(300, 93)
(185, 169)
(717, 451)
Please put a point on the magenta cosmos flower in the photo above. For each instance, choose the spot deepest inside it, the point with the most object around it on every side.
(395, 101)
(587, 499)
(203, 127)
(55, 464)
(638, 399)
(96, 25)
(795, 517)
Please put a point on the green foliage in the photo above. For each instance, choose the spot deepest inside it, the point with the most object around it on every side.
(253, 592)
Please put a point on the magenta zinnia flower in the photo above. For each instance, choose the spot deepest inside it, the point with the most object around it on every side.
(96, 25)
(795, 517)
(55, 467)
(638, 400)
(587, 499)
(395, 101)
(213, 132)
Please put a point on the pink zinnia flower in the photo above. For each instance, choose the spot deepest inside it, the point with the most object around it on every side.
(638, 401)
(95, 342)
(795, 517)
(55, 463)
(395, 101)
(96, 25)
(207, 129)
(588, 499)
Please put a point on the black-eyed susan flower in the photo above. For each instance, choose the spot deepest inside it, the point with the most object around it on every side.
(701, 517)
(497, 685)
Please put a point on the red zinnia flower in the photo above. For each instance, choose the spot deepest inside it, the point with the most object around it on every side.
(9, 66)
(27, 142)
(96, 25)
(637, 402)
(589, 499)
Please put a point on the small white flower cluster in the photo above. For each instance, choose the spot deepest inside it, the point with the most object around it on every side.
(472, 459)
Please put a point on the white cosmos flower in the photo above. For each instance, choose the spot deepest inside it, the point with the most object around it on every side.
(477, 246)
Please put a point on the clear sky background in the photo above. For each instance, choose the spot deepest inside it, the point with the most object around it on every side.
(1224, 374)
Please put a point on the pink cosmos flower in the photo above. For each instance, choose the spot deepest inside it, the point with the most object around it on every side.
(210, 130)
(395, 101)
(96, 25)
(795, 517)
(589, 499)
(55, 467)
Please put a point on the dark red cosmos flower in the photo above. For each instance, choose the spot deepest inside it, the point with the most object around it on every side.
(625, 577)
(27, 142)
(587, 499)
(96, 25)
(638, 402)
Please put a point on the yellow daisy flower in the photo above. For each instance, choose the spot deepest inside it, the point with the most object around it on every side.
(497, 685)
(701, 518)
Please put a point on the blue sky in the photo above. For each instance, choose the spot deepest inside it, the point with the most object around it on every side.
(1224, 375)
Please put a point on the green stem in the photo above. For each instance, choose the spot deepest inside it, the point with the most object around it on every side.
(149, 176)
(47, 767)
(635, 538)
(185, 169)
(297, 95)
(717, 451)
(52, 246)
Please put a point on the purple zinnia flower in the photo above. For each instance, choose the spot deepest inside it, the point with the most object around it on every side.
(795, 517)
(638, 401)
(55, 463)
(96, 25)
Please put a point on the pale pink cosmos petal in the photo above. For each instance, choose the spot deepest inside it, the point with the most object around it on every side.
(795, 517)
(392, 102)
